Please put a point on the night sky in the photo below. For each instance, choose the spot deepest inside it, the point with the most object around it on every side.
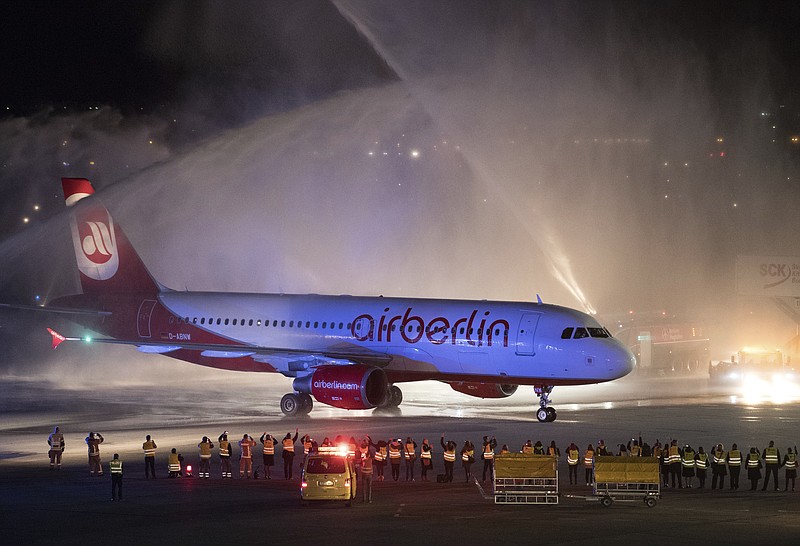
(631, 148)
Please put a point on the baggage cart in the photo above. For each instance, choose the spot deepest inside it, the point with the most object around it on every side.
(627, 479)
(521, 478)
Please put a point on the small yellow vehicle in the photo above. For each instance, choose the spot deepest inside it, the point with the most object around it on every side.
(328, 474)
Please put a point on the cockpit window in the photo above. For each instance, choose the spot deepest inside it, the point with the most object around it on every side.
(567, 333)
(598, 332)
(581, 333)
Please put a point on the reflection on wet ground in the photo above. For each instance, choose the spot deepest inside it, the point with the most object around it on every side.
(184, 411)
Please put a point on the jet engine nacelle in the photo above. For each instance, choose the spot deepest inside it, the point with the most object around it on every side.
(485, 390)
(347, 387)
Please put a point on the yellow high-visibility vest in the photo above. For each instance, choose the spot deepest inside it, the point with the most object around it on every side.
(572, 457)
(149, 448)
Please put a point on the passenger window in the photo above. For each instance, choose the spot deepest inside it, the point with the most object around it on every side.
(291, 324)
(203, 320)
(258, 323)
(325, 325)
(567, 333)
(341, 325)
(250, 322)
(316, 324)
(219, 321)
(283, 323)
(226, 321)
(581, 333)
(308, 324)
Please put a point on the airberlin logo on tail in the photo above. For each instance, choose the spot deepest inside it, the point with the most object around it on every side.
(95, 244)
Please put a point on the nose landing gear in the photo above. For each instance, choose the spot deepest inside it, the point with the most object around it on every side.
(544, 414)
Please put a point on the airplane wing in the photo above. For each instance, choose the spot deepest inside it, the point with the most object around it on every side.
(58, 310)
(345, 354)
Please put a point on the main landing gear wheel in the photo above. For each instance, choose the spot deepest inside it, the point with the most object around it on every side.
(545, 414)
(306, 402)
(291, 404)
(296, 404)
(395, 397)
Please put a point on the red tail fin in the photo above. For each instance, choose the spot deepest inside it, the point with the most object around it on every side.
(106, 259)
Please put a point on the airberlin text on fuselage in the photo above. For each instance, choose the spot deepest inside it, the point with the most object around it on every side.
(438, 330)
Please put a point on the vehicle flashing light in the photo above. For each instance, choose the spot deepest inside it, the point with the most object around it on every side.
(304, 484)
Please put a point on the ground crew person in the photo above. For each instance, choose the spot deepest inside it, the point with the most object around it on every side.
(115, 469)
(487, 454)
(308, 445)
(93, 442)
(425, 459)
(753, 468)
(734, 461)
(700, 466)
(410, 453)
(635, 449)
(790, 462)
(588, 464)
(56, 443)
(538, 448)
(527, 448)
(665, 467)
(395, 456)
(601, 448)
(367, 457)
(504, 449)
(381, 454)
(288, 454)
(246, 445)
(674, 459)
(772, 458)
(174, 464)
(553, 450)
(268, 451)
(205, 446)
(573, 458)
(149, 448)
(718, 469)
(224, 455)
(467, 458)
(656, 451)
(449, 457)
(687, 465)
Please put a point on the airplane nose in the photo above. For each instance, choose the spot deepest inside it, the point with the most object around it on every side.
(624, 361)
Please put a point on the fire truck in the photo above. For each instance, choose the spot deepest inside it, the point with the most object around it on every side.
(751, 365)
(665, 346)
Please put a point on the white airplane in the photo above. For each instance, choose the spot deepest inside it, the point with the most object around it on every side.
(347, 352)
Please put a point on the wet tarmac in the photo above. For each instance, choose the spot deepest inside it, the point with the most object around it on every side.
(38, 504)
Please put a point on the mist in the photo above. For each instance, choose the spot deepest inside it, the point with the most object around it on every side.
(601, 158)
